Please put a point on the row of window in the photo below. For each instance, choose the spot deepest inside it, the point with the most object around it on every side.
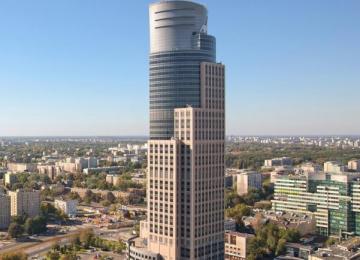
(161, 230)
(155, 184)
(160, 207)
(161, 218)
(215, 82)
(214, 70)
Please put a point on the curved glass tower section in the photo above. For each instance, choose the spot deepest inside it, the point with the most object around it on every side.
(178, 44)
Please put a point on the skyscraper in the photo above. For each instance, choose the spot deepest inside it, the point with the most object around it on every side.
(178, 44)
(185, 188)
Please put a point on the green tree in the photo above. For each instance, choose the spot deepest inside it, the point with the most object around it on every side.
(110, 197)
(86, 237)
(15, 230)
(53, 255)
(290, 235)
(238, 211)
(28, 227)
(280, 248)
(13, 256)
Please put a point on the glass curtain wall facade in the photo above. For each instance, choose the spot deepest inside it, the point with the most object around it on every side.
(179, 44)
(334, 199)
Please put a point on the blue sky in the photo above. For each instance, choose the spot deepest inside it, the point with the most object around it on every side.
(81, 67)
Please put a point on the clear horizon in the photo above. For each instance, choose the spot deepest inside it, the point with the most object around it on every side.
(81, 68)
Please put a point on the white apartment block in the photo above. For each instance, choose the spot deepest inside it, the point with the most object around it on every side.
(69, 207)
(25, 202)
(248, 180)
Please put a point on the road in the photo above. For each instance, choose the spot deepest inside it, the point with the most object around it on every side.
(42, 241)
(43, 248)
(43, 244)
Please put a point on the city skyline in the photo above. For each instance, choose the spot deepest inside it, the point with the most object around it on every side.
(71, 68)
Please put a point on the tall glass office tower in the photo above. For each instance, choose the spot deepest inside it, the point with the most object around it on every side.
(185, 181)
(178, 44)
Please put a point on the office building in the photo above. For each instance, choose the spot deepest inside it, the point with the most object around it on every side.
(25, 202)
(185, 188)
(248, 180)
(235, 245)
(4, 211)
(333, 198)
(178, 44)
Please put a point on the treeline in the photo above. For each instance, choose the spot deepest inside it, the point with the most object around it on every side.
(98, 181)
(243, 156)
(29, 181)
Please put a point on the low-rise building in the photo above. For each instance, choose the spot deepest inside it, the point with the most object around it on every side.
(298, 250)
(109, 170)
(57, 188)
(280, 171)
(69, 207)
(348, 250)
(4, 211)
(113, 179)
(25, 202)
(230, 224)
(235, 245)
(137, 250)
